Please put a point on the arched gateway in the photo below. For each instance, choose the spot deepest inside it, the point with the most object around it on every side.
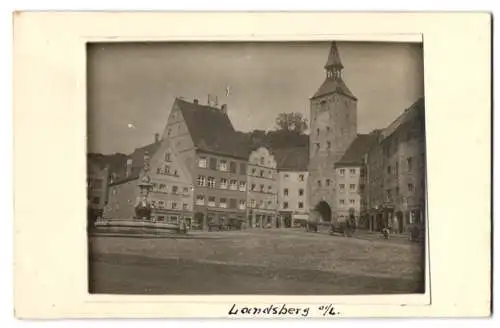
(325, 210)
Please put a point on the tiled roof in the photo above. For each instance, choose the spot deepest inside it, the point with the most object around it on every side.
(211, 129)
(333, 85)
(292, 159)
(416, 109)
(358, 148)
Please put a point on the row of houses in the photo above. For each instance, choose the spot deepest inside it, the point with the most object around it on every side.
(205, 171)
(201, 170)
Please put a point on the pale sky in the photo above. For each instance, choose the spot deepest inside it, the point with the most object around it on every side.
(137, 84)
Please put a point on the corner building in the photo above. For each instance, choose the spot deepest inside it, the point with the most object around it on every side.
(333, 125)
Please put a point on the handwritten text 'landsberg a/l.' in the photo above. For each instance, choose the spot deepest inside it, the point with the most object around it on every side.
(326, 310)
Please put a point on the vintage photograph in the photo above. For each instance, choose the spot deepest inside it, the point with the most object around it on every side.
(266, 168)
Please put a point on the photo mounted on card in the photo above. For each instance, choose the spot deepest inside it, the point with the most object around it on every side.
(259, 173)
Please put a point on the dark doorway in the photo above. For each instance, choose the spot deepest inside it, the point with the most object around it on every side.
(324, 209)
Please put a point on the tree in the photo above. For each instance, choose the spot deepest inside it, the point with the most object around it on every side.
(291, 122)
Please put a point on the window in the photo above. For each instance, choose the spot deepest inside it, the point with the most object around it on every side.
(163, 187)
(252, 188)
(222, 203)
(286, 176)
(411, 188)
(174, 189)
(301, 204)
(352, 171)
(96, 200)
(261, 188)
(211, 201)
(223, 165)
(223, 183)
(342, 202)
(201, 180)
(317, 146)
(232, 167)
(185, 206)
(168, 132)
(243, 186)
(262, 160)
(389, 169)
(176, 173)
(342, 187)
(317, 132)
(185, 190)
(158, 170)
(285, 191)
(211, 182)
(327, 182)
(202, 162)
(166, 169)
(342, 172)
(269, 189)
(200, 200)
(261, 173)
(397, 191)
(213, 163)
(270, 174)
(409, 161)
(328, 145)
(319, 183)
(269, 203)
(232, 203)
(389, 194)
(396, 168)
(252, 203)
(174, 205)
(285, 204)
(301, 192)
(352, 187)
(254, 171)
(351, 201)
(243, 168)
(327, 129)
(301, 177)
(167, 157)
(261, 204)
(233, 184)
(242, 204)
(362, 173)
(361, 187)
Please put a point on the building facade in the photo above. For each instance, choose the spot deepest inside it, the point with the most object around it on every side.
(206, 142)
(333, 126)
(97, 185)
(262, 199)
(351, 178)
(396, 173)
(293, 201)
(171, 195)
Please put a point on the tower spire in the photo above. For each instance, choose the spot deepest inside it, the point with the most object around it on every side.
(333, 65)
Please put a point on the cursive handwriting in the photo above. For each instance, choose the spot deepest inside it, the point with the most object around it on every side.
(272, 309)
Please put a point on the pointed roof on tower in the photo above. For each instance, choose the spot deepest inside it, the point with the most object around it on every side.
(333, 57)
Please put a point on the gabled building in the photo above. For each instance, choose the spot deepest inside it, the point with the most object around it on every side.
(171, 195)
(397, 173)
(333, 127)
(351, 178)
(208, 145)
(293, 205)
(262, 181)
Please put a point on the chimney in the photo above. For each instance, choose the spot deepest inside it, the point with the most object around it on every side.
(223, 108)
(195, 101)
(129, 167)
(157, 137)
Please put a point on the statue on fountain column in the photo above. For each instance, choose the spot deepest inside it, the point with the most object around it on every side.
(143, 207)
